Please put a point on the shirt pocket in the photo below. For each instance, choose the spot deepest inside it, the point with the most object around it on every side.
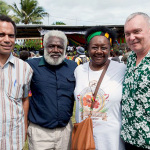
(68, 83)
(15, 93)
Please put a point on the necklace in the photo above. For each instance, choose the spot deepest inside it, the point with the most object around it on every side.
(94, 94)
(92, 98)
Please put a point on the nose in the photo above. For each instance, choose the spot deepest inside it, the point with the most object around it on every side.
(99, 50)
(56, 49)
(6, 38)
(132, 37)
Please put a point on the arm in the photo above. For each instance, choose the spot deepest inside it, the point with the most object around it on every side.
(25, 103)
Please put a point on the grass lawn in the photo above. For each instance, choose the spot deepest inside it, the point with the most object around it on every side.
(73, 121)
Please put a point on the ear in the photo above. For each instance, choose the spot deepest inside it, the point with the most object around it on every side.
(149, 31)
(88, 50)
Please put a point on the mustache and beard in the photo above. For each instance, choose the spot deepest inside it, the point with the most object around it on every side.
(52, 60)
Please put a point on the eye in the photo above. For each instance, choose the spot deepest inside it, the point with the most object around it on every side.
(103, 48)
(2, 34)
(137, 31)
(11, 35)
(60, 47)
(94, 47)
(127, 34)
(50, 46)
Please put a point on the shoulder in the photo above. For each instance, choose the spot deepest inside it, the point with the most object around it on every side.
(117, 66)
(71, 63)
(34, 61)
(21, 62)
(77, 58)
(131, 54)
(22, 66)
(82, 67)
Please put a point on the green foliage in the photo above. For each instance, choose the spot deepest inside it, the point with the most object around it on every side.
(30, 43)
(29, 12)
(26, 145)
(17, 47)
(58, 23)
(33, 43)
(4, 8)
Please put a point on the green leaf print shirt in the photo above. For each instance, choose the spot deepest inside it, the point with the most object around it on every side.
(136, 102)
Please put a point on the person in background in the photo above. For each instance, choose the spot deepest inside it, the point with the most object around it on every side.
(120, 56)
(15, 77)
(41, 52)
(136, 87)
(31, 55)
(81, 58)
(24, 55)
(106, 113)
(125, 56)
(116, 57)
(52, 101)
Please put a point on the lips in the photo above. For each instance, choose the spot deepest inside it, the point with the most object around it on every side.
(134, 43)
(55, 55)
(6, 47)
(98, 57)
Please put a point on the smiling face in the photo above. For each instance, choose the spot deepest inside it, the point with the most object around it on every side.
(99, 48)
(7, 38)
(54, 52)
(137, 34)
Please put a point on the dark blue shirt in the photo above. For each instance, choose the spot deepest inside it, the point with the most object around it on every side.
(51, 104)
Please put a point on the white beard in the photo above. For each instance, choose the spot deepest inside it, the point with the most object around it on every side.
(53, 61)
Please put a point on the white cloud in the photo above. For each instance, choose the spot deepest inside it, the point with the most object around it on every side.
(90, 12)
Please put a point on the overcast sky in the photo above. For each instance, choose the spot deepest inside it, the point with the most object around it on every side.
(90, 12)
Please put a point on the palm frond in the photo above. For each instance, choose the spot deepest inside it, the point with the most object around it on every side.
(29, 12)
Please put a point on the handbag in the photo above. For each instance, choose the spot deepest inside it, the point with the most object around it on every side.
(82, 134)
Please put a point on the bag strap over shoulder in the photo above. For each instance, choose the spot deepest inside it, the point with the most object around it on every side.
(101, 78)
(99, 83)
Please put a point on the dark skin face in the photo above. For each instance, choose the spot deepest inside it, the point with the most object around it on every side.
(55, 47)
(99, 48)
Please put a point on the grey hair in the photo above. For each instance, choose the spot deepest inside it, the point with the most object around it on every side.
(55, 33)
(147, 18)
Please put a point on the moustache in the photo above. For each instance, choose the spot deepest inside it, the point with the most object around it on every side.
(56, 54)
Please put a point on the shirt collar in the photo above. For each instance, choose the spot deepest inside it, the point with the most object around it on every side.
(11, 59)
(147, 55)
(43, 62)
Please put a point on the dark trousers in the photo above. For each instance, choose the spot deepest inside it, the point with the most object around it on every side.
(132, 147)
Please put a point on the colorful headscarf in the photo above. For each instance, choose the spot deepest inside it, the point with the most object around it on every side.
(99, 33)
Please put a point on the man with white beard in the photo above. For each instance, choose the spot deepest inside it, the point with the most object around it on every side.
(51, 104)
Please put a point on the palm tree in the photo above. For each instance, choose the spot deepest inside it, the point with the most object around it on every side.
(29, 12)
(4, 8)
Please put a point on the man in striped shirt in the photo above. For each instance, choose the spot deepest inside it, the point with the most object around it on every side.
(15, 76)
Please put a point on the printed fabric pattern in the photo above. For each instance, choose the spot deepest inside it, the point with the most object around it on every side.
(136, 102)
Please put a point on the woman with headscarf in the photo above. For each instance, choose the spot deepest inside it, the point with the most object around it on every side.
(106, 112)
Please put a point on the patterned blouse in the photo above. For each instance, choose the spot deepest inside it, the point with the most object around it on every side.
(136, 102)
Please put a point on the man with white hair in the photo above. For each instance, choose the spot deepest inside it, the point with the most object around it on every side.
(136, 87)
(51, 104)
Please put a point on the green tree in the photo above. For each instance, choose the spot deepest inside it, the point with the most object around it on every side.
(33, 43)
(4, 8)
(58, 23)
(29, 12)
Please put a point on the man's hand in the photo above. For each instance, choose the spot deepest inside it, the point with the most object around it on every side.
(25, 103)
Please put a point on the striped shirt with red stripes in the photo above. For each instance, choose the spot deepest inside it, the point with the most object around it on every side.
(15, 77)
